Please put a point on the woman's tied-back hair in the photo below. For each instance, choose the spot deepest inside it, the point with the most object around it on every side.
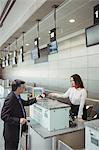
(17, 83)
(78, 81)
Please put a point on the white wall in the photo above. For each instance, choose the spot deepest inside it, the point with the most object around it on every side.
(73, 57)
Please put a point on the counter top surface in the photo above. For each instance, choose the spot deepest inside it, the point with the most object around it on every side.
(93, 124)
(44, 133)
(51, 104)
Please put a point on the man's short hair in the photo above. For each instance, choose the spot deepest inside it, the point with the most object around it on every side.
(17, 83)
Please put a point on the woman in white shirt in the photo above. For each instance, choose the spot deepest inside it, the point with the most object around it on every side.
(77, 96)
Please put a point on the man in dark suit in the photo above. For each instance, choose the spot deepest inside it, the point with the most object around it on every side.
(13, 114)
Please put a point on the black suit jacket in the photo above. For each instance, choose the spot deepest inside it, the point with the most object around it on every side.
(11, 114)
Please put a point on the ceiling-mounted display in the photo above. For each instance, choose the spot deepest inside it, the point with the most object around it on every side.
(21, 51)
(3, 63)
(35, 52)
(6, 61)
(52, 46)
(14, 58)
(52, 35)
(92, 35)
(96, 14)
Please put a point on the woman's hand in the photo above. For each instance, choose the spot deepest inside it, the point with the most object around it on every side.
(51, 94)
(80, 119)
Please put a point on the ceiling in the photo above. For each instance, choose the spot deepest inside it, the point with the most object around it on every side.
(80, 10)
(2, 5)
(5, 7)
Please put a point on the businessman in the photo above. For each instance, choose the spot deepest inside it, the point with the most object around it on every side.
(13, 114)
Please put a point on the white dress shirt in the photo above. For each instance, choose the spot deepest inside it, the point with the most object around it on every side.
(76, 96)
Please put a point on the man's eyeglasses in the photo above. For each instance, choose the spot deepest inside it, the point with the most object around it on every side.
(23, 86)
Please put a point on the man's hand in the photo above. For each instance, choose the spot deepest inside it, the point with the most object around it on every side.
(23, 121)
(38, 97)
(30, 96)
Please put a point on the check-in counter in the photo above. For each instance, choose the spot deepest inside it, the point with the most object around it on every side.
(92, 135)
(72, 141)
(42, 138)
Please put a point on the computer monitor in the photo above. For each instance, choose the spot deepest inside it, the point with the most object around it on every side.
(37, 91)
(22, 53)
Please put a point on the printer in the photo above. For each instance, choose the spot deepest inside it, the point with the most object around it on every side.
(50, 114)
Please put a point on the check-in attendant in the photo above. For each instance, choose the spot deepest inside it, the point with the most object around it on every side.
(77, 95)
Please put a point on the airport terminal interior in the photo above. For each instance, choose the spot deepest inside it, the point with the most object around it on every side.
(47, 44)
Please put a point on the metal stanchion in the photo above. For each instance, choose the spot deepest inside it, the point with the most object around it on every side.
(19, 146)
(27, 136)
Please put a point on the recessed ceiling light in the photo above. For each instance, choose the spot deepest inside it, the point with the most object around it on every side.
(72, 20)
(49, 31)
(27, 44)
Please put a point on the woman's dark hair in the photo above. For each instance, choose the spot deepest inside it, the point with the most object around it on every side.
(16, 83)
(78, 81)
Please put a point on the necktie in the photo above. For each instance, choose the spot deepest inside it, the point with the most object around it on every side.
(20, 101)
